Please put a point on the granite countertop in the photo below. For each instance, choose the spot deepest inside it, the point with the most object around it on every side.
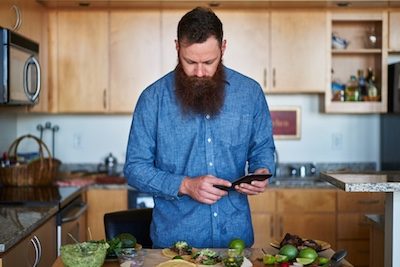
(364, 181)
(18, 222)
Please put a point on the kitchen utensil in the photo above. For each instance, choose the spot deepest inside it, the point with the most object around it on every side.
(337, 257)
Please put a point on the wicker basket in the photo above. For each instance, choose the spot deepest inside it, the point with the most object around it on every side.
(38, 172)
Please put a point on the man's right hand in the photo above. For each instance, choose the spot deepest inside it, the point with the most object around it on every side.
(201, 188)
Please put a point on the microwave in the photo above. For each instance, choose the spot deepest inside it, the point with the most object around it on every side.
(19, 70)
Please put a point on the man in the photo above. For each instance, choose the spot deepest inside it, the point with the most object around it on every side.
(200, 125)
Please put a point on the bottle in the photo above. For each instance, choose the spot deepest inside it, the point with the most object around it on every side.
(372, 90)
(362, 86)
(352, 90)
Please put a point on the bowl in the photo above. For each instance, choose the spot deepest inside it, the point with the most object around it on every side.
(131, 257)
(85, 254)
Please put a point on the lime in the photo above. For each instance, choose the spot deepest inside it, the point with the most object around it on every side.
(308, 253)
(304, 261)
(322, 260)
(281, 258)
(237, 244)
(268, 259)
(127, 240)
(289, 250)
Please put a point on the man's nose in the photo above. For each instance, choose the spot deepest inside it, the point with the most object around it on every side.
(200, 70)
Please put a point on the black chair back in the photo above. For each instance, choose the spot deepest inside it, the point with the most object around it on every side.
(134, 221)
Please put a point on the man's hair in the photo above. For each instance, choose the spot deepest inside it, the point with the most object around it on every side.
(198, 25)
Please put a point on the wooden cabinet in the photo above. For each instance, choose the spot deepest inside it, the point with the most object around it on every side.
(100, 202)
(79, 55)
(247, 36)
(135, 55)
(352, 225)
(360, 54)
(394, 32)
(40, 247)
(298, 51)
(309, 213)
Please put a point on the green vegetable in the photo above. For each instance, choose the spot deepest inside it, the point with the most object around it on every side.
(85, 254)
(124, 240)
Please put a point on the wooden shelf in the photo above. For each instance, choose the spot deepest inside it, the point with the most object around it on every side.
(357, 51)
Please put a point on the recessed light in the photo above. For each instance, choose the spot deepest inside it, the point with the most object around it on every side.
(343, 4)
(214, 4)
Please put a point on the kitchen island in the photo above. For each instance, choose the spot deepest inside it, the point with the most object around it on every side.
(154, 257)
(388, 182)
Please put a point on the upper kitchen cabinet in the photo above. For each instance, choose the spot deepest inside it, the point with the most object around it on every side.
(358, 70)
(298, 51)
(169, 24)
(246, 33)
(135, 55)
(394, 32)
(22, 16)
(80, 62)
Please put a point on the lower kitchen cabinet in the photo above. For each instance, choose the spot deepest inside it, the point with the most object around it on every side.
(40, 247)
(352, 225)
(100, 202)
(309, 213)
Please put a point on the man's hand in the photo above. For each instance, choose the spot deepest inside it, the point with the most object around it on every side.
(201, 188)
(255, 187)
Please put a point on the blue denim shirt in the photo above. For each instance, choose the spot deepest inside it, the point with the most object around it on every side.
(165, 146)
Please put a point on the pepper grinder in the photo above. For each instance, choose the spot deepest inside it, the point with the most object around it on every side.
(111, 164)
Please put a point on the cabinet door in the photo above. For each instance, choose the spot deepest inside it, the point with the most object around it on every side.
(135, 56)
(82, 61)
(100, 202)
(31, 19)
(299, 51)
(246, 33)
(8, 14)
(24, 255)
(169, 24)
(394, 31)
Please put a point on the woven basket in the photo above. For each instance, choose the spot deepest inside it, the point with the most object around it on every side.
(38, 172)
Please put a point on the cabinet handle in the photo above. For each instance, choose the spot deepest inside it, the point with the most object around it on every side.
(39, 248)
(18, 20)
(280, 228)
(265, 78)
(35, 245)
(368, 202)
(273, 77)
(105, 99)
(271, 229)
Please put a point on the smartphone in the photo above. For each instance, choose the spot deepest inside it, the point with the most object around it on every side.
(245, 179)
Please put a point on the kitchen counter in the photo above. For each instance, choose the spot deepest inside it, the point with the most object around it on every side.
(388, 182)
(154, 257)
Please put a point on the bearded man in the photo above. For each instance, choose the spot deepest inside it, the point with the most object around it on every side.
(201, 125)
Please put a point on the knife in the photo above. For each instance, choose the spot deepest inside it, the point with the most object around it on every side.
(336, 258)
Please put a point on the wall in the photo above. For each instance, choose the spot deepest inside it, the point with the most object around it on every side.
(8, 130)
(324, 137)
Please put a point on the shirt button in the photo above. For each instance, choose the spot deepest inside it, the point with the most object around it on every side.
(209, 140)
(207, 117)
(215, 214)
(210, 163)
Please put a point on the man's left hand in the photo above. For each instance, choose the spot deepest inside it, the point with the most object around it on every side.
(255, 187)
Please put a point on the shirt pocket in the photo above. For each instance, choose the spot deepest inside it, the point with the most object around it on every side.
(233, 129)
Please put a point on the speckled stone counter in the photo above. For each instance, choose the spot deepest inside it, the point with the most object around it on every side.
(388, 182)
(17, 222)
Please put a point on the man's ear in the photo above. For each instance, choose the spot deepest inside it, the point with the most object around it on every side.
(177, 45)
(223, 47)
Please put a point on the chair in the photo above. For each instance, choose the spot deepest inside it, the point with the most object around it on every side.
(133, 221)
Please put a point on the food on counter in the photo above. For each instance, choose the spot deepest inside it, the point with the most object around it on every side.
(207, 257)
(176, 263)
(180, 248)
(123, 240)
(85, 254)
(308, 253)
(129, 257)
(289, 250)
(237, 244)
(299, 242)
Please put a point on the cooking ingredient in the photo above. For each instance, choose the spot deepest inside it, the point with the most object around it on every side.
(123, 240)
(304, 261)
(281, 258)
(268, 259)
(285, 264)
(206, 257)
(182, 248)
(233, 261)
(176, 263)
(308, 253)
(177, 257)
(85, 254)
(237, 244)
(289, 250)
(322, 260)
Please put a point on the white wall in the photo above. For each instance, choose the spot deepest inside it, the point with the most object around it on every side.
(8, 130)
(324, 137)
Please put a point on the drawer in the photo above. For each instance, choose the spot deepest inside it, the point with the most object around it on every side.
(361, 202)
(264, 202)
(306, 200)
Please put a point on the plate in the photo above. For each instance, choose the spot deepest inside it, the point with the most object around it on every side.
(324, 245)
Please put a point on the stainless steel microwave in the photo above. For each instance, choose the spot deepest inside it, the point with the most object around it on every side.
(19, 70)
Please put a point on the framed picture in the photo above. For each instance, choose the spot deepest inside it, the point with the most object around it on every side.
(285, 122)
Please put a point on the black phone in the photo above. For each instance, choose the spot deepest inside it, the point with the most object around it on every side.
(245, 179)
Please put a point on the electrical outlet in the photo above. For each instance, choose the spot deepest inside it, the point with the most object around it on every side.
(77, 141)
(337, 141)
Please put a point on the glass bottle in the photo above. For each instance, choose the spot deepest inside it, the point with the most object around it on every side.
(352, 90)
(362, 86)
(372, 90)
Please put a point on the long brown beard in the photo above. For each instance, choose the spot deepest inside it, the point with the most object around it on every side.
(201, 95)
